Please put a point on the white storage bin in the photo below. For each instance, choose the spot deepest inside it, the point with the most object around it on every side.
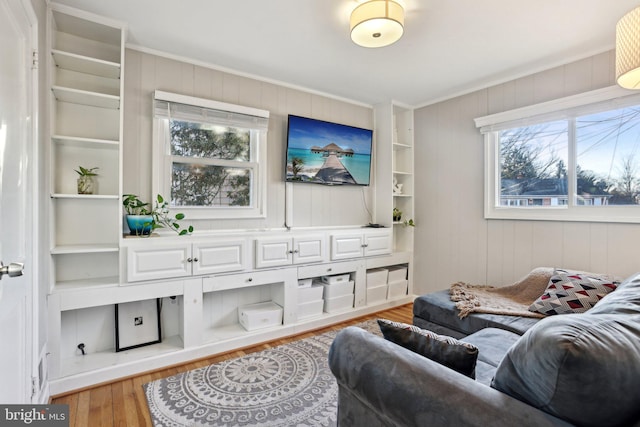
(377, 277)
(260, 315)
(338, 278)
(313, 293)
(342, 303)
(378, 293)
(305, 283)
(398, 289)
(397, 273)
(338, 289)
(310, 309)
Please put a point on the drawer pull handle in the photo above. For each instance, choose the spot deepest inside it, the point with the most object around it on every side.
(195, 260)
(329, 269)
(189, 260)
(250, 279)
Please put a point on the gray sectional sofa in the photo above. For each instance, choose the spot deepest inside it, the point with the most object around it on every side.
(571, 369)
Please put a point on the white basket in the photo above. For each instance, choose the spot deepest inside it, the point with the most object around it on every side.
(379, 293)
(377, 277)
(260, 315)
(342, 303)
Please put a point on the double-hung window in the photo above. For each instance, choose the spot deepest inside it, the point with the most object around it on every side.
(574, 159)
(210, 157)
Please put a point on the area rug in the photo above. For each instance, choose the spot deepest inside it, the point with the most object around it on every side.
(288, 385)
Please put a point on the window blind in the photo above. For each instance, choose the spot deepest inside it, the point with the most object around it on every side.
(206, 111)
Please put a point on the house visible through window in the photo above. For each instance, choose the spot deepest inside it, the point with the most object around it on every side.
(210, 156)
(578, 162)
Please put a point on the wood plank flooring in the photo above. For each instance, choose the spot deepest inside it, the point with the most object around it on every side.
(122, 402)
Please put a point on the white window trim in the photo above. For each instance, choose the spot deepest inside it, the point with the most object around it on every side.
(612, 97)
(162, 162)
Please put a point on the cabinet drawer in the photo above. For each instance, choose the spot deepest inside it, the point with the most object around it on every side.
(328, 269)
(234, 281)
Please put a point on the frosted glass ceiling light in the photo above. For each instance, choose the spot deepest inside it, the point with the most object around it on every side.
(377, 23)
(628, 50)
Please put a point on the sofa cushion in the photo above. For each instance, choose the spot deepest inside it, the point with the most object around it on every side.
(492, 344)
(584, 368)
(448, 351)
(572, 293)
(625, 300)
(437, 307)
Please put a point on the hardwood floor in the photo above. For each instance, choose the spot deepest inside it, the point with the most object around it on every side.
(122, 403)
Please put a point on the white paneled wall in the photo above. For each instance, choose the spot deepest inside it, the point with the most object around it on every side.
(453, 241)
(313, 205)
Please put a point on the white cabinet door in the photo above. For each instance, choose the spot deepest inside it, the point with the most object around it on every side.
(309, 248)
(344, 246)
(358, 244)
(377, 243)
(273, 252)
(160, 261)
(220, 256)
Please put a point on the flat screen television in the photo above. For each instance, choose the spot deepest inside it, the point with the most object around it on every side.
(320, 152)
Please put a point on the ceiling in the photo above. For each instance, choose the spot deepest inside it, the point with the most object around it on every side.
(449, 47)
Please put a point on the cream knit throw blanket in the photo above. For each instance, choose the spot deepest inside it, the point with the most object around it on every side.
(512, 300)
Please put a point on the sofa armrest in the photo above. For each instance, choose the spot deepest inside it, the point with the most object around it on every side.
(400, 387)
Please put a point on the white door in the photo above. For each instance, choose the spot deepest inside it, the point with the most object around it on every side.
(16, 204)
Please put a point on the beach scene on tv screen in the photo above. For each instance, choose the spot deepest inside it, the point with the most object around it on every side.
(327, 153)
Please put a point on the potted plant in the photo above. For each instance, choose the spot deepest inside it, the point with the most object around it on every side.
(86, 180)
(143, 220)
(397, 215)
(139, 218)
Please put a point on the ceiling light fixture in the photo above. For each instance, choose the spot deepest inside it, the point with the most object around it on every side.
(628, 50)
(377, 23)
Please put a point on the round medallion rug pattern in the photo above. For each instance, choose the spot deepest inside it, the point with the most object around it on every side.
(288, 385)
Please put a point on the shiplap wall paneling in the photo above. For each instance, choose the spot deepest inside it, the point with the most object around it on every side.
(453, 240)
(313, 205)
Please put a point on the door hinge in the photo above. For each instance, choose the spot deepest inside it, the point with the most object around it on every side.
(34, 386)
(34, 60)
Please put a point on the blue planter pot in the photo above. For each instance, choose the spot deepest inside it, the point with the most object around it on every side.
(139, 225)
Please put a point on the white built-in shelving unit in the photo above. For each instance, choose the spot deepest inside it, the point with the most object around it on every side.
(402, 169)
(394, 164)
(85, 69)
(201, 280)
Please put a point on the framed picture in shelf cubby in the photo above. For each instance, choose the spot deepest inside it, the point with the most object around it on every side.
(138, 324)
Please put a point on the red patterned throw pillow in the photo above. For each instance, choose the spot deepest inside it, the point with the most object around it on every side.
(572, 293)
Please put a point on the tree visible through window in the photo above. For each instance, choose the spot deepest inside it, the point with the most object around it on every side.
(534, 161)
(210, 156)
(198, 178)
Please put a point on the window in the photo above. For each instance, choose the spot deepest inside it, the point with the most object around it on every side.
(576, 159)
(210, 156)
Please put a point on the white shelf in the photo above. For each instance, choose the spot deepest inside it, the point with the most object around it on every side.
(402, 173)
(84, 249)
(104, 359)
(402, 195)
(84, 196)
(397, 145)
(94, 283)
(233, 332)
(84, 97)
(86, 64)
(80, 142)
